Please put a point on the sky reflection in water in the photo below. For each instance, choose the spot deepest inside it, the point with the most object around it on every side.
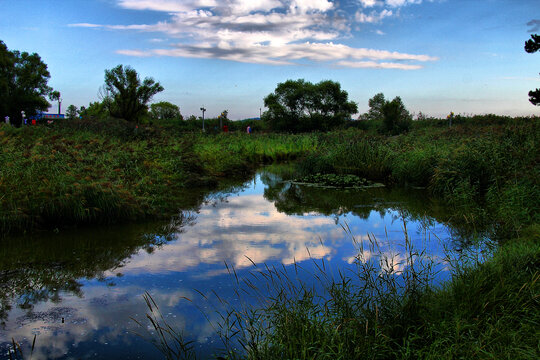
(237, 228)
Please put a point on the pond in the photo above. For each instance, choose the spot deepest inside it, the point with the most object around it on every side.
(81, 291)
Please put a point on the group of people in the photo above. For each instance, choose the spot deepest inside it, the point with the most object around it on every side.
(25, 120)
(226, 129)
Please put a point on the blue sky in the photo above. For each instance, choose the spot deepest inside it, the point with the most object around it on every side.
(464, 56)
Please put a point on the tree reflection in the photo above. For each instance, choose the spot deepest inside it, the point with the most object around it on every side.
(413, 204)
(40, 269)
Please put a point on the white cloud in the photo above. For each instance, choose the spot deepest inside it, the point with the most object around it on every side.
(369, 3)
(304, 6)
(166, 5)
(85, 25)
(378, 65)
(274, 32)
(373, 17)
(399, 3)
(291, 53)
(247, 6)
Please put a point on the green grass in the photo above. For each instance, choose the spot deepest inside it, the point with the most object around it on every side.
(488, 169)
(91, 172)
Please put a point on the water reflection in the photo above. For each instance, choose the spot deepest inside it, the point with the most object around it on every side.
(78, 290)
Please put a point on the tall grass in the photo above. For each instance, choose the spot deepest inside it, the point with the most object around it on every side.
(480, 166)
(386, 307)
(82, 172)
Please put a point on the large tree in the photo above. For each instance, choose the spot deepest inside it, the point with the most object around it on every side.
(299, 105)
(531, 46)
(127, 95)
(23, 83)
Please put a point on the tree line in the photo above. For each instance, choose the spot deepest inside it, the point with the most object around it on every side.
(294, 106)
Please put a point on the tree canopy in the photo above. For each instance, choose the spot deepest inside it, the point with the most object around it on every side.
(396, 118)
(165, 110)
(23, 83)
(531, 46)
(376, 104)
(72, 112)
(299, 105)
(127, 96)
(393, 115)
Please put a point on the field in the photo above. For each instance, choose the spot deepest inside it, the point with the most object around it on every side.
(486, 168)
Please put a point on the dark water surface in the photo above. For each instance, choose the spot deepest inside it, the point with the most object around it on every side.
(79, 290)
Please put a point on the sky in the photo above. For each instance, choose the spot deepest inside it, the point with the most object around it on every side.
(464, 56)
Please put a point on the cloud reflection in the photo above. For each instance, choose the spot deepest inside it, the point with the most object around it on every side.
(243, 227)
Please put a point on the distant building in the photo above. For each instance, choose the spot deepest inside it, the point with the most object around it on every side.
(41, 116)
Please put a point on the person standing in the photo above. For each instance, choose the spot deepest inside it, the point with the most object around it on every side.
(6, 119)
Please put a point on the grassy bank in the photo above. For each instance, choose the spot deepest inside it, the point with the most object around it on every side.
(82, 172)
(99, 172)
(486, 168)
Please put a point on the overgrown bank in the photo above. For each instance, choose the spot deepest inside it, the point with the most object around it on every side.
(82, 172)
(485, 167)
(106, 172)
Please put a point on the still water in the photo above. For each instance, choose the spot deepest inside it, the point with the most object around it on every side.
(80, 291)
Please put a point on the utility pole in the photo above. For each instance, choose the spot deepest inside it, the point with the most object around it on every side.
(59, 105)
(203, 110)
(260, 113)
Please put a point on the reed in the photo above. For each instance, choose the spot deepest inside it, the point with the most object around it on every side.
(385, 306)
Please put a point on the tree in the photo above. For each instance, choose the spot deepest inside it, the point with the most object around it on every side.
(23, 83)
(164, 110)
(531, 46)
(94, 110)
(376, 104)
(396, 118)
(298, 105)
(55, 96)
(6, 73)
(72, 112)
(128, 95)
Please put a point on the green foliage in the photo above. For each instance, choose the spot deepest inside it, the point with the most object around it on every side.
(100, 171)
(489, 310)
(484, 166)
(72, 112)
(23, 84)
(164, 110)
(6, 66)
(298, 105)
(127, 96)
(376, 104)
(396, 118)
(95, 110)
